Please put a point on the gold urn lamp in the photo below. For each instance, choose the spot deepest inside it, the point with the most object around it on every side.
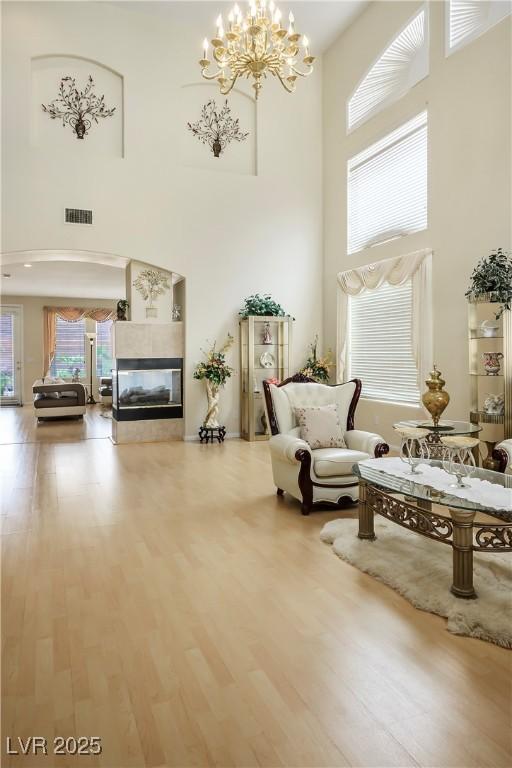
(435, 399)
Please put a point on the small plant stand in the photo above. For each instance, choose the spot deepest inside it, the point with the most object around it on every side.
(209, 434)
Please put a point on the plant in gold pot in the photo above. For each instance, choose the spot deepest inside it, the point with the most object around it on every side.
(215, 371)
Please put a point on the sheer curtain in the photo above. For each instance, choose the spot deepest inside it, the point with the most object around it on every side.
(415, 266)
(72, 315)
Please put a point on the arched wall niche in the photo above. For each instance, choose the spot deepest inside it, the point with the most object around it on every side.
(238, 157)
(103, 138)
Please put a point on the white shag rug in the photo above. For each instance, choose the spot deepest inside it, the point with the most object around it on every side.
(421, 570)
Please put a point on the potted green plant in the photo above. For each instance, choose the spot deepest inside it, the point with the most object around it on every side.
(317, 368)
(492, 276)
(262, 306)
(122, 309)
(215, 371)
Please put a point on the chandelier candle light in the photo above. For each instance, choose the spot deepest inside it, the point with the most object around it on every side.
(254, 45)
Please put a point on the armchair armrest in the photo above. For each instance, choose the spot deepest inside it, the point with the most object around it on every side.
(285, 447)
(503, 453)
(367, 442)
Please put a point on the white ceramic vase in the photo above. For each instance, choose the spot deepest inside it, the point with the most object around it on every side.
(212, 414)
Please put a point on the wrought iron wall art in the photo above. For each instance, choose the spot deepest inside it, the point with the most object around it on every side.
(216, 128)
(78, 109)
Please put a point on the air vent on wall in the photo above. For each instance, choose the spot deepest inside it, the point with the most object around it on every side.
(78, 216)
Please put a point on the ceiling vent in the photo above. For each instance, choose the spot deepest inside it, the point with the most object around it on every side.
(78, 216)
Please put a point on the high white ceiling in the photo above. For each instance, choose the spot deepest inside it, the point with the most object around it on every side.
(64, 279)
(322, 20)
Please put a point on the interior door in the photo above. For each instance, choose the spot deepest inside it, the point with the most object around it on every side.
(10, 356)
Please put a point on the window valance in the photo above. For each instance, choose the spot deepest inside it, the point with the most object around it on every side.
(393, 271)
(416, 267)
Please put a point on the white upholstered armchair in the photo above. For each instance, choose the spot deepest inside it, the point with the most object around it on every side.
(324, 474)
(503, 453)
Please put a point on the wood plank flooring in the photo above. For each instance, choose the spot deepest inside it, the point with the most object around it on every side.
(161, 597)
(19, 425)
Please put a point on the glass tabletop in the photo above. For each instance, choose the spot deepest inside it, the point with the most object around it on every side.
(418, 490)
(445, 427)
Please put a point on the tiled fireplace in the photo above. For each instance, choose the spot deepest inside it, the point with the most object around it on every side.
(147, 382)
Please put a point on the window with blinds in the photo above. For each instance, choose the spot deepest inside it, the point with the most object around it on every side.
(104, 348)
(468, 19)
(70, 349)
(387, 187)
(7, 370)
(403, 64)
(380, 344)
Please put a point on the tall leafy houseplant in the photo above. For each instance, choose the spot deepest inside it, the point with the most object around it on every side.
(493, 275)
(215, 371)
(261, 306)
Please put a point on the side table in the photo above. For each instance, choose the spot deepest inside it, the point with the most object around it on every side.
(433, 439)
(209, 434)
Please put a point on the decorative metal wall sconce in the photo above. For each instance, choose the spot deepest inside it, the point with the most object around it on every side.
(78, 109)
(217, 128)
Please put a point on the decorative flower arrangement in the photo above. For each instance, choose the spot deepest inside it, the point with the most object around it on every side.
(79, 109)
(262, 306)
(493, 275)
(151, 283)
(317, 368)
(215, 371)
(214, 368)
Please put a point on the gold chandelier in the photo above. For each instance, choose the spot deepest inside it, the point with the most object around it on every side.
(256, 45)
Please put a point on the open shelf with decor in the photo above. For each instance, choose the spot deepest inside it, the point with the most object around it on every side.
(490, 370)
(265, 347)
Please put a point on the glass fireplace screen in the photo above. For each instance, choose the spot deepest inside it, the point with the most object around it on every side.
(159, 388)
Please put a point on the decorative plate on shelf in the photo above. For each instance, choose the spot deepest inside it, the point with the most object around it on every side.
(267, 360)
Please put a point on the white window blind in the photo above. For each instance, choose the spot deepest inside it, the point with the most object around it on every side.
(380, 344)
(387, 187)
(403, 64)
(6, 354)
(70, 349)
(468, 19)
(104, 348)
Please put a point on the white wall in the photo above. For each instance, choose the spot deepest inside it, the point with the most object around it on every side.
(230, 235)
(468, 98)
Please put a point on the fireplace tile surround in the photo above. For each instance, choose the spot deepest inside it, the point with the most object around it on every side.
(147, 402)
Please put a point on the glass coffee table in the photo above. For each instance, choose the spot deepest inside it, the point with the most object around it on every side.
(408, 503)
(433, 439)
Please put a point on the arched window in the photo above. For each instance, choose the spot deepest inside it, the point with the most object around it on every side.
(468, 19)
(403, 64)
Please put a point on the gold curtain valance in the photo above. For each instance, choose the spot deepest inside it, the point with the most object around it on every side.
(72, 315)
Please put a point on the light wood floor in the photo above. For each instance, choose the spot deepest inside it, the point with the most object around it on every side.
(19, 425)
(161, 596)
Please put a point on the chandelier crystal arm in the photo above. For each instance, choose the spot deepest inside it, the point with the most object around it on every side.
(288, 88)
(232, 85)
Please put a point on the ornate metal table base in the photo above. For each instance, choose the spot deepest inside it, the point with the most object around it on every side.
(209, 434)
(459, 530)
